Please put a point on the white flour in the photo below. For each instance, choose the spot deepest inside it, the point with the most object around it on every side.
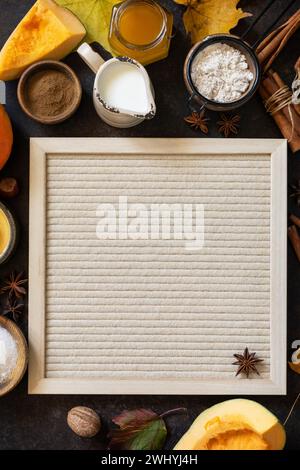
(8, 355)
(221, 73)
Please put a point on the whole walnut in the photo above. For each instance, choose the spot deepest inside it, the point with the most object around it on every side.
(84, 421)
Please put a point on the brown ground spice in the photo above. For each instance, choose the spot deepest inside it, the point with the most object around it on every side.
(49, 93)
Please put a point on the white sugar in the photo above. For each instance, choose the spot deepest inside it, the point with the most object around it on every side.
(8, 355)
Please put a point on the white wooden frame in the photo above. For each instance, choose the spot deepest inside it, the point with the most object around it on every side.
(40, 148)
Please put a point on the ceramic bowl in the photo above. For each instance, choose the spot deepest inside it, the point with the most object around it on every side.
(253, 63)
(49, 65)
(22, 361)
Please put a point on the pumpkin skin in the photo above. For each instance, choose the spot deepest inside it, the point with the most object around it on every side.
(6, 137)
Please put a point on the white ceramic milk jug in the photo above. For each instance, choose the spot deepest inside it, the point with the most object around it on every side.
(123, 93)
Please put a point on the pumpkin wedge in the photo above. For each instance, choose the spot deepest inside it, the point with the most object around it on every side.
(238, 424)
(48, 31)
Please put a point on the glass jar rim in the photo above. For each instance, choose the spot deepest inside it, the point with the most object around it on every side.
(149, 45)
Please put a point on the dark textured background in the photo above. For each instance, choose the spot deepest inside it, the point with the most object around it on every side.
(39, 422)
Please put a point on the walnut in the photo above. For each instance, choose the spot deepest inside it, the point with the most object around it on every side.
(84, 421)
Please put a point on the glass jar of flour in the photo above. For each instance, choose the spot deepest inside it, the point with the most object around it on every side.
(221, 73)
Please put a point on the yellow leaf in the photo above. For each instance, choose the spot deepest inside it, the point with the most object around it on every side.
(95, 16)
(295, 367)
(184, 2)
(204, 17)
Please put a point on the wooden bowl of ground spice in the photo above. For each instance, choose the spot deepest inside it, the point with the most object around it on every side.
(49, 92)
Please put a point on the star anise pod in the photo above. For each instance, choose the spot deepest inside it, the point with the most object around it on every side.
(14, 308)
(229, 124)
(14, 286)
(296, 192)
(247, 363)
(198, 121)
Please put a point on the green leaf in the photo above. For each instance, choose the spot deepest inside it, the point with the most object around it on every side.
(95, 16)
(138, 430)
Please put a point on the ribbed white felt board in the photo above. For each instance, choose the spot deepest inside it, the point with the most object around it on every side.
(150, 316)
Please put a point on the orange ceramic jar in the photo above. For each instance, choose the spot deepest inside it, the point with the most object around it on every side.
(141, 29)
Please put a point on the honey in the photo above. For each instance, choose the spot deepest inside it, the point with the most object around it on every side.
(140, 23)
(141, 29)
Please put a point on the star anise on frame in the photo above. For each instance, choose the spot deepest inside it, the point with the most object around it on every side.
(14, 286)
(14, 308)
(247, 363)
(198, 121)
(229, 124)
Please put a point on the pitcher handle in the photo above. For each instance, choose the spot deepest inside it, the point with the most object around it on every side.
(90, 57)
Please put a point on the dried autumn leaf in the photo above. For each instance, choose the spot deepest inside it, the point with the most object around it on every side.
(138, 430)
(204, 17)
(95, 16)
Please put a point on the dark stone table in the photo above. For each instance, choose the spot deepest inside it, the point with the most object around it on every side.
(39, 422)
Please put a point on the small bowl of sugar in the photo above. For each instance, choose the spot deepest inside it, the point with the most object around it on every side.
(222, 72)
(13, 355)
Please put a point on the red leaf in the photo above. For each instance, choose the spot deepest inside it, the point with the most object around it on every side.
(138, 430)
(134, 417)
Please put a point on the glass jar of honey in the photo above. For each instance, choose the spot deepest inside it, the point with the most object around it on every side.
(141, 29)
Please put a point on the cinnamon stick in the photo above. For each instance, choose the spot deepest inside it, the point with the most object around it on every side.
(294, 239)
(270, 36)
(295, 107)
(288, 117)
(281, 120)
(282, 117)
(295, 220)
(274, 83)
(272, 45)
